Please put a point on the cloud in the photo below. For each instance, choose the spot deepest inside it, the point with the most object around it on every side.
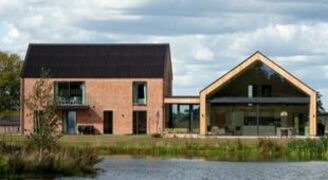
(203, 53)
(12, 32)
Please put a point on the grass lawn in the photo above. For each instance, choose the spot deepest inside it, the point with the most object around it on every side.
(208, 148)
(110, 140)
(9, 113)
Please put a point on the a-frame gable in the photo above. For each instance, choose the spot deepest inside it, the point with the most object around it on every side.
(258, 56)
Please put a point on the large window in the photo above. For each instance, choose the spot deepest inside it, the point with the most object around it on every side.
(258, 119)
(139, 93)
(258, 101)
(258, 80)
(183, 118)
(70, 93)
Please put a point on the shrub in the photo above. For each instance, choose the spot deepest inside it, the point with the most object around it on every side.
(267, 146)
(62, 161)
(3, 165)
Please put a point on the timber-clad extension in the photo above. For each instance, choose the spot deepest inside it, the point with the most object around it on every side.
(127, 89)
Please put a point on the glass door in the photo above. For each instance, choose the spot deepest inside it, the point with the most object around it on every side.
(108, 122)
(139, 122)
(69, 122)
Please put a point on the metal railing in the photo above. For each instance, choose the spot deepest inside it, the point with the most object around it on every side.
(75, 100)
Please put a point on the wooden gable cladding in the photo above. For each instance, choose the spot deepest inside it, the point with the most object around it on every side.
(242, 66)
(181, 100)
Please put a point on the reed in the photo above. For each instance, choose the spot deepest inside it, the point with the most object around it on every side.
(78, 156)
(20, 161)
(230, 150)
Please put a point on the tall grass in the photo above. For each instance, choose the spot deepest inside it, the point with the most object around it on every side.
(231, 150)
(69, 159)
(21, 161)
(308, 149)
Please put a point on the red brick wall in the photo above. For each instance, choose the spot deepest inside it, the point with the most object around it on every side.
(109, 94)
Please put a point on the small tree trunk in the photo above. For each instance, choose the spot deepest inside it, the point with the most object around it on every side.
(40, 153)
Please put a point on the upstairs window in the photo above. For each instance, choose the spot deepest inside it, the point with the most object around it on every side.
(266, 90)
(139, 93)
(252, 91)
(70, 93)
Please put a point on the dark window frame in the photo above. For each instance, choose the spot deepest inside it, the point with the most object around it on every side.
(254, 90)
(137, 85)
(55, 85)
(36, 120)
(266, 90)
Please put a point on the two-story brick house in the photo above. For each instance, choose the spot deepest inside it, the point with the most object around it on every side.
(118, 88)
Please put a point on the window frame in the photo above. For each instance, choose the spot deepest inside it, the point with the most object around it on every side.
(55, 89)
(136, 84)
(266, 88)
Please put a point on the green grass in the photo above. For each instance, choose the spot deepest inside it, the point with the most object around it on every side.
(111, 140)
(19, 160)
(9, 113)
(207, 148)
(76, 155)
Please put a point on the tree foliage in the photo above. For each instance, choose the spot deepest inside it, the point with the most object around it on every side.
(44, 111)
(10, 67)
(320, 107)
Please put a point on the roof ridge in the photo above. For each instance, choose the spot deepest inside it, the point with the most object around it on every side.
(68, 60)
(100, 44)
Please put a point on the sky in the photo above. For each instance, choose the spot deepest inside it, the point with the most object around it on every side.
(207, 37)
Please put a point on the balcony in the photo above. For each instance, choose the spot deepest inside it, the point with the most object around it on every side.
(70, 95)
(70, 101)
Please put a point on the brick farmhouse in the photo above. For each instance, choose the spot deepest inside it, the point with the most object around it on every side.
(127, 89)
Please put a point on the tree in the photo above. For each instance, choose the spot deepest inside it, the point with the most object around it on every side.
(10, 67)
(320, 107)
(44, 111)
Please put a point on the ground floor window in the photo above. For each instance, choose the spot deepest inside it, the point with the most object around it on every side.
(36, 121)
(183, 118)
(257, 119)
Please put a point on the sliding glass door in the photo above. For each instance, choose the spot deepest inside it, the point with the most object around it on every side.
(258, 119)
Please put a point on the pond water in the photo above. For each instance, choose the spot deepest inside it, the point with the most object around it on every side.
(127, 168)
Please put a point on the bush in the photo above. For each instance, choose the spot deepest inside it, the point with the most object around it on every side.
(62, 161)
(267, 146)
(3, 165)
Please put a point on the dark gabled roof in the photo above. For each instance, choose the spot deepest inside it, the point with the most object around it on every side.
(9, 121)
(97, 60)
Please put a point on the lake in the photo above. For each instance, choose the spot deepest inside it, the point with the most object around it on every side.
(127, 168)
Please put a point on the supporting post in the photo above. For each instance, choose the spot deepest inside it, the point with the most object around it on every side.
(258, 118)
(313, 114)
(202, 115)
(191, 117)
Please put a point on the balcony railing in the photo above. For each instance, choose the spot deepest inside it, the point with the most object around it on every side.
(70, 101)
